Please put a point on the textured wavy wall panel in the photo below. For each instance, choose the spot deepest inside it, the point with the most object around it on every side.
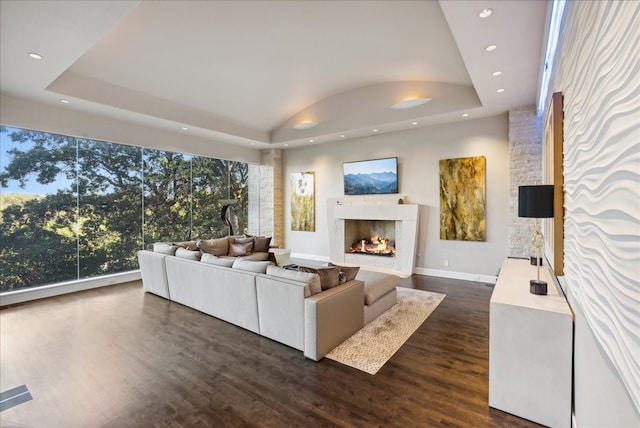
(599, 74)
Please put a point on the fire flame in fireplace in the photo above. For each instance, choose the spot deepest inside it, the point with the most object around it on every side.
(374, 245)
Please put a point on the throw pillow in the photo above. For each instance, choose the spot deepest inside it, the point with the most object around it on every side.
(329, 276)
(215, 260)
(313, 279)
(350, 272)
(217, 247)
(251, 266)
(189, 245)
(261, 244)
(188, 254)
(238, 249)
(164, 248)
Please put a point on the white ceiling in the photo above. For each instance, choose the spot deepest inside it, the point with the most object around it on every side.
(245, 72)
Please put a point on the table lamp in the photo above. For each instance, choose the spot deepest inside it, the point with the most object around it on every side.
(536, 202)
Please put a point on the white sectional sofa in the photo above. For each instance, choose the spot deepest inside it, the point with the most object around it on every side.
(278, 304)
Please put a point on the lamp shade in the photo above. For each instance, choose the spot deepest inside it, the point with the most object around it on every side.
(535, 201)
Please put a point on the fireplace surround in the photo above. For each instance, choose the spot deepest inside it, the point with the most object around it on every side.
(400, 223)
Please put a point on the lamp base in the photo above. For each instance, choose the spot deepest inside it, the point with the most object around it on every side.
(538, 287)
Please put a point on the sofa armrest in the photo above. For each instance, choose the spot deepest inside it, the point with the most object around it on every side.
(154, 272)
(331, 317)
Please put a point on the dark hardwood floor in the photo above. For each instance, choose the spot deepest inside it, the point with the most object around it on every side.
(118, 357)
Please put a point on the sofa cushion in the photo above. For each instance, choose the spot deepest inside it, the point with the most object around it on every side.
(188, 254)
(215, 260)
(189, 245)
(164, 248)
(377, 284)
(217, 247)
(261, 243)
(251, 266)
(350, 272)
(329, 276)
(313, 279)
(256, 256)
(240, 249)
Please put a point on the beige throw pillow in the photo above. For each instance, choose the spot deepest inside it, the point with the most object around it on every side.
(251, 266)
(215, 260)
(313, 279)
(350, 272)
(164, 248)
(187, 254)
(217, 247)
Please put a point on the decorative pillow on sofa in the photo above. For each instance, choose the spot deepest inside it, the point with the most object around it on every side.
(261, 244)
(350, 272)
(251, 266)
(329, 276)
(313, 279)
(164, 248)
(215, 260)
(188, 254)
(189, 245)
(236, 250)
(217, 247)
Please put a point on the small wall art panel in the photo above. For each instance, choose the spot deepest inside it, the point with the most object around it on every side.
(303, 206)
(462, 199)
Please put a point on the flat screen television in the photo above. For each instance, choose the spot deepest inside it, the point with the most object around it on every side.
(370, 177)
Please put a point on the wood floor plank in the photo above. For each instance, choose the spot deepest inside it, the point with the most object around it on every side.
(118, 357)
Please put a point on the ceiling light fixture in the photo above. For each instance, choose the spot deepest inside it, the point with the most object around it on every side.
(410, 103)
(496, 73)
(501, 90)
(376, 130)
(184, 128)
(485, 13)
(305, 124)
(35, 55)
(63, 101)
(490, 48)
(311, 141)
(286, 145)
(465, 114)
(414, 123)
(341, 135)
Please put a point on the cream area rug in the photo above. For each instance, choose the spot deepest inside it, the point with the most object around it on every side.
(375, 344)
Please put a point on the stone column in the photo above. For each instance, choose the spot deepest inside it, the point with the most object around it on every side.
(272, 197)
(525, 168)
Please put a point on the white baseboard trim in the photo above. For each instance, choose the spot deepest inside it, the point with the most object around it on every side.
(20, 296)
(487, 279)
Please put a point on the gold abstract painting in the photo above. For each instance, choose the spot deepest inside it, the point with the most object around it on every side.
(462, 199)
(303, 210)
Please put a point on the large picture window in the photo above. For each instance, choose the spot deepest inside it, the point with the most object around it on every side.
(74, 208)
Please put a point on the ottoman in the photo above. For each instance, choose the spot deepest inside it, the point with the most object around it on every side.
(379, 292)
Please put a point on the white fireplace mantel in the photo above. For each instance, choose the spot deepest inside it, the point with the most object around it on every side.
(406, 217)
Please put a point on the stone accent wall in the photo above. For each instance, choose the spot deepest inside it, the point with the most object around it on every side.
(525, 168)
(272, 197)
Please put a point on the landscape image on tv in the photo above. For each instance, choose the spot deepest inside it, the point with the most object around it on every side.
(369, 177)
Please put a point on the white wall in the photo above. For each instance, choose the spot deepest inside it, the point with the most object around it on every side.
(419, 152)
(597, 72)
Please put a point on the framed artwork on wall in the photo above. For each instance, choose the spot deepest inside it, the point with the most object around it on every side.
(303, 204)
(462, 199)
(552, 141)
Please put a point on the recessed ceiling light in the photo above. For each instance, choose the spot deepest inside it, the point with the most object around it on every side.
(376, 130)
(465, 114)
(253, 144)
(63, 101)
(485, 13)
(184, 128)
(414, 123)
(490, 48)
(305, 125)
(410, 103)
(35, 55)
(286, 145)
(341, 135)
(496, 73)
(500, 91)
(311, 141)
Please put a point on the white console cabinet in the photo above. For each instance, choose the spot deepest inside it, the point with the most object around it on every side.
(530, 347)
